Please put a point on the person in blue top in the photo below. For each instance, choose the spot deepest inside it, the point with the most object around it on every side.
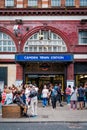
(23, 96)
(81, 93)
(53, 96)
(57, 87)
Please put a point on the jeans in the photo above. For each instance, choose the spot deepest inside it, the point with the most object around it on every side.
(44, 102)
(53, 100)
(68, 98)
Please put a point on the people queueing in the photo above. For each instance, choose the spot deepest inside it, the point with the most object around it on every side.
(45, 93)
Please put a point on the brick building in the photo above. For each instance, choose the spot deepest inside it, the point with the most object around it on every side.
(43, 41)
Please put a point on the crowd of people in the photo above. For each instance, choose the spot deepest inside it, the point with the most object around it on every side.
(77, 95)
(72, 95)
(24, 96)
(27, 97)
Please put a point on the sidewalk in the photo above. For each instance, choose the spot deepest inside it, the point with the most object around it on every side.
(60, 114)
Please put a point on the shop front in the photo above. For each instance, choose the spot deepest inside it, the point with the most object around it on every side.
(80, 69)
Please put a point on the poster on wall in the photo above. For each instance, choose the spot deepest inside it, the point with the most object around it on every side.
(18, 83)
(70, 82)
(1, 85)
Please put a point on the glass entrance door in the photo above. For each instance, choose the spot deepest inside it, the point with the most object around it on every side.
(81, 78)
(40, 80)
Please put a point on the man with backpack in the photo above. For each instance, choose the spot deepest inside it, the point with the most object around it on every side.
(57, 87)
(53, 96)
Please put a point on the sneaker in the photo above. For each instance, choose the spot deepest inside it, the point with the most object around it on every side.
(61, 105)
(25, 115)
(32, 115)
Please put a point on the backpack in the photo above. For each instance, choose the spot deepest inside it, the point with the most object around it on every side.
(68, 91)
(33, 93)
(54, 92)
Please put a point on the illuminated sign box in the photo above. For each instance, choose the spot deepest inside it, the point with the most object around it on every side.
(43, 57)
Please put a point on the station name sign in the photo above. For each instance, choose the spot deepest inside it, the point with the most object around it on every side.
(43, 57)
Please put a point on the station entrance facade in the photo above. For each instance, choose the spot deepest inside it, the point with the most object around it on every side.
(45, 73)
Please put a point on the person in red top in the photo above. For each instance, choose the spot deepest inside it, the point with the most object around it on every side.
(68, 94)
(3, 97)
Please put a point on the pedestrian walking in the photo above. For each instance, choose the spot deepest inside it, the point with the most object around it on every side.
(58, 88)
(53, 96)
(45, 93)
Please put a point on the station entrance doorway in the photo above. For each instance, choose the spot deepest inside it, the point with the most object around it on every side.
(44, 73)
(40, 80)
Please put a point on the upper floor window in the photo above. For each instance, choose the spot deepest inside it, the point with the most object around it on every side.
(9, 2)
(45, 41)
(70, 2)
(83, 2)
(83, 37)
(55, 2)
(32, 2)
(6, 43)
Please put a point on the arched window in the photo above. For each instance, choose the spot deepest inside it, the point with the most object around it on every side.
(45, 41)
(6, 43)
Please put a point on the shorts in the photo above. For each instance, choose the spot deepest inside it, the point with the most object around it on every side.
(80, 99)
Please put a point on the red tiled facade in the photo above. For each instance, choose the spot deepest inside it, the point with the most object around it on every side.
(66, 28)
(40, 2)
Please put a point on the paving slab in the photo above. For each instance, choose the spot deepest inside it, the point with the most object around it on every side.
(48, 114)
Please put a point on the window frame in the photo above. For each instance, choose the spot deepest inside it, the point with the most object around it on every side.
(6, 43)
(32, 4)
(69, 3)
(55, 5)
(83, 3)
(82, 37)
(9, 3)
(46, 44)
